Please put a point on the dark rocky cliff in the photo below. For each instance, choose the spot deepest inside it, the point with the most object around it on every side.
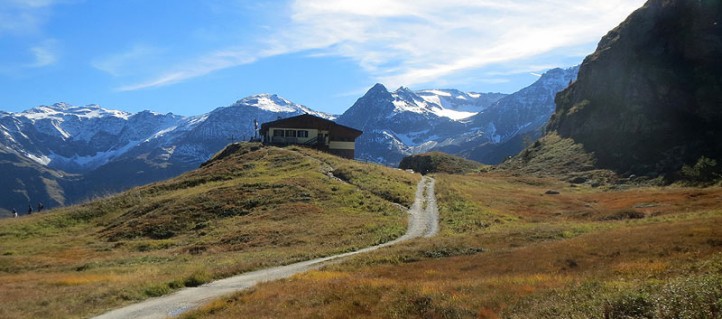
(649, 100)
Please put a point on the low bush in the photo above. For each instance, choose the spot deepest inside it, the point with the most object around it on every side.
(197, 278)
(705, 171)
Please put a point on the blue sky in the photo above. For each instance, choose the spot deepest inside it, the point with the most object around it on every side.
(191, 56)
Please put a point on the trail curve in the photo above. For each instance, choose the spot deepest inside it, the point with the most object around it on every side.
(423, 222)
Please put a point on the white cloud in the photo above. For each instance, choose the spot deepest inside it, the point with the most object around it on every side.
(400, 42)
(405, 43)
(44, 54)
(24, 16)
(209, 63)
(123, 63)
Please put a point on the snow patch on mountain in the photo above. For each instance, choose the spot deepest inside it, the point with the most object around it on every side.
(404, 122)
(276, 104)
(90, 161)
(82, 138)
(466, 102)
(61, 111)
(452, 114)
(42, 160)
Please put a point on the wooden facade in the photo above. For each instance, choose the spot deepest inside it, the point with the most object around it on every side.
(312, 131)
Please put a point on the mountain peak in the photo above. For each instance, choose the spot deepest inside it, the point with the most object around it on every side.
(378, 87)
(268, 102)
(62, 109)
(276, 104)
(61, 106)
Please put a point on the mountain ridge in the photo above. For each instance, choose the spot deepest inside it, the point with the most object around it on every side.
(108, 150)
(647, 101)
(404, 122)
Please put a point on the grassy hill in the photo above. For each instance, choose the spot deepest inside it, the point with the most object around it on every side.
(511, 245)
(524, 247)
(250, 207)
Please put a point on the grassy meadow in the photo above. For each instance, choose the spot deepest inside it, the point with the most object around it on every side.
(250, 207)
(523, 247)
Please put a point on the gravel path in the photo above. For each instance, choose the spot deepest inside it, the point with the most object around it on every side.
(423, 222)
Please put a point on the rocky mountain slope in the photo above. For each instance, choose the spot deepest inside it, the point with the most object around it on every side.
(396, 123)
(649, 100)
(24, 179)
(107, 150)
(483, 127)
(506, 126)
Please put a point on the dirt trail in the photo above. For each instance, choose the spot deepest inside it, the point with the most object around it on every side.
(423, 222)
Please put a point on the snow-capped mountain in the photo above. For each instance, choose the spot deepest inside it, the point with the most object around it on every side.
(500, 130)
(452, 99)
(404, 122)
(61, 154)
(397, 123)
(75, 138)
(112, 150)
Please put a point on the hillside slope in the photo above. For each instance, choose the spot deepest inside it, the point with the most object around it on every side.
(649, 100)
(26, 183)
(509, 249)
(250, 207)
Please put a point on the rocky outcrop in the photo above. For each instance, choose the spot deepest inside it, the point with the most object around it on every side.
(436, 162)
(649, 100)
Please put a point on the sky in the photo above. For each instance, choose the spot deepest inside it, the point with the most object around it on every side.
(189, 57)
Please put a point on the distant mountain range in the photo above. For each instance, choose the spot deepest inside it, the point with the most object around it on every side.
(62, 154)
(485, 127)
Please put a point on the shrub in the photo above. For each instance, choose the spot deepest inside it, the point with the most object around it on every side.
(692, 297)
(157, 290)
(705, 171)
(633, 305)
(197, 278)
(624, 214)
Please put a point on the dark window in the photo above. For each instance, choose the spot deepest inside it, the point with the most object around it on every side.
(302, 133)
(290, 133)
(278, 133)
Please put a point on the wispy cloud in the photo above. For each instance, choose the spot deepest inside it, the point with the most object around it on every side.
(401, 42)
(24, 16)
(44, 54)
(123, 63)
(203, 65)
(406, 43)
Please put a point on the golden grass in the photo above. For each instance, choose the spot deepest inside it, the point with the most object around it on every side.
(509, 250)
(254, 208)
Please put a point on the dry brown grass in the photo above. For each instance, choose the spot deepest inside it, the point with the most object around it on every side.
(254, 208)
(544, 256)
